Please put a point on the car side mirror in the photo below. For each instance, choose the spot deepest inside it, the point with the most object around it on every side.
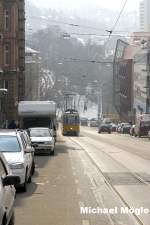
(11, 180)
(29, 150)
(34, 145)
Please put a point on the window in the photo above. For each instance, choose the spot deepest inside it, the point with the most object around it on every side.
(6, 20)
(5, 84)
(24, 143)
(6, 54)
(39, 132)
(9, 144)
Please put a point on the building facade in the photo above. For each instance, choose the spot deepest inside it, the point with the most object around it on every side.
(12, 56)
(123, 82)
(144, 15)
(32, 75)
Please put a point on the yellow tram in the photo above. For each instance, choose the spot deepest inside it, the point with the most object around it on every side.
(70, 122)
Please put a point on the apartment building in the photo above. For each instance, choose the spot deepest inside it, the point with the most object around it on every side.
(12, 57)
(32, 74)
(144, 15)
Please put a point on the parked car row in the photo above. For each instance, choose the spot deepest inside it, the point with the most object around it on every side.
(93, 122)
(17, 165)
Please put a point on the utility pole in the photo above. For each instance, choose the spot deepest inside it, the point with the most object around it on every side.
(148, 78)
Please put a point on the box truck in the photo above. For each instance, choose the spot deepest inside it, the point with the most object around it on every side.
(37, 114)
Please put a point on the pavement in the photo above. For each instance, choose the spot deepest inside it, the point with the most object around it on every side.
(93, 170)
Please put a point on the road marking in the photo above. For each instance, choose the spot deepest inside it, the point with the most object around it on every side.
(79, 191)
(85, 222)
(40, 183)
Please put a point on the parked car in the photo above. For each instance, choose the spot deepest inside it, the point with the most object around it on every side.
(93, 122)
(7, 193)
(42, 139)
(104, 127)
(119, 128)
(142, 125)
(28, 141)
(149, 135)
(113, 127)
(125, 128)
(84, 121)
(132, 131)
(18, 154)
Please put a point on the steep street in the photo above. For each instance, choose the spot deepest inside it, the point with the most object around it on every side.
(92, 170)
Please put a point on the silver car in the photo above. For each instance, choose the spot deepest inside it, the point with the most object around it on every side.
(42, 139)
(7, 193)
(19, 155)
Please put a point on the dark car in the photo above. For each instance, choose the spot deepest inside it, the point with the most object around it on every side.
(105, 127)
(126, 129)
(93, 122)
(113, 127)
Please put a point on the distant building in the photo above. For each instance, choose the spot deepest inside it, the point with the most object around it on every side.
(12, 56)
(144, 15)
(140, 76)
(32, 74)
(123, 81)
(131, 88)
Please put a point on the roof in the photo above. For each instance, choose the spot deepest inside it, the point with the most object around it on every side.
(11, 132)
(30, 50)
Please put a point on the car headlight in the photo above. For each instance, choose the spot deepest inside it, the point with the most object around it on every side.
(16, 166)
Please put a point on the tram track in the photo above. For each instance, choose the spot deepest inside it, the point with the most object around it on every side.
(107, 180)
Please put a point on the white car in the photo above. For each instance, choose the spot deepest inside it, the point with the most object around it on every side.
(42, 139)
(19, 155)
(7, 193)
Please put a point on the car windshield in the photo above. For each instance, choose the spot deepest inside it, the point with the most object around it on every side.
(9, 144)
(39, 133)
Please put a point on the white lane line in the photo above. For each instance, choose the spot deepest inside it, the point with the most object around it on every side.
(40, 183)
(85, 222)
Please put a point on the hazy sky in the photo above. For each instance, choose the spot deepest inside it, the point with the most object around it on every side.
(78, 4)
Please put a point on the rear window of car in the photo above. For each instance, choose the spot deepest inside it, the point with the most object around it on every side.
(9, 144)
(39, 133)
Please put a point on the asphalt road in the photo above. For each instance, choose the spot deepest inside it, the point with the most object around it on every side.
(92, 170)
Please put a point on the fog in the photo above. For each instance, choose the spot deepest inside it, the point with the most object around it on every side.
(78, 5)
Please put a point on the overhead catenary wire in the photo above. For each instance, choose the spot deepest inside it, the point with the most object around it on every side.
(116, 22)
(69, 24)
(118, 17)
(85, 60)
(112, 31)
(105, 35)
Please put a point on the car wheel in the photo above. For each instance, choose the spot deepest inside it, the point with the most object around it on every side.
(52, 152)
(33, 168)
(30, 177)
(24, 187)
(12, 219)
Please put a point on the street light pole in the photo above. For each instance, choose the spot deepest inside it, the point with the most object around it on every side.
(100, 103)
